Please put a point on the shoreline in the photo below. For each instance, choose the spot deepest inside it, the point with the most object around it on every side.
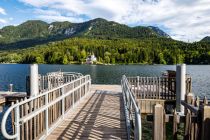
(104, 64)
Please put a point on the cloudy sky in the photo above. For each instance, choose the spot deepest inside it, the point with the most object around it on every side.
(187, 20)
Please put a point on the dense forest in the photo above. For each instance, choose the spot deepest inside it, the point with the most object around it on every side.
(112, 51)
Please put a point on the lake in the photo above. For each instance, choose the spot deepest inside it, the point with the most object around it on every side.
(105, 74)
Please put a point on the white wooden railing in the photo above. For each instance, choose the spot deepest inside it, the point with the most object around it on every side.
(157, 87)
(36, 117)
(52, 80)
(133, 114)
(55, 79)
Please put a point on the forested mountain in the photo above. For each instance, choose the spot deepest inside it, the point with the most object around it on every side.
(64, 43)
(35, 32)
(206, 39)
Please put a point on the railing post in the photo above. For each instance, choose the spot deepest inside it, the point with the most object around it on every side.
(46, 115)
(63, 102)
(89, 83)
(73, 95)
(137, 93)
(85, 86)
(17, 120)
(137, 81)
(80, 89)
(180, 86)
(34, 80)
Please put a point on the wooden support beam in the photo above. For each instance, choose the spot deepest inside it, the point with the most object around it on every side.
(205, 101)
(189, 98)
(175, 127)
(187, 125)
(158, 123)
(206, 123)
(170, 117)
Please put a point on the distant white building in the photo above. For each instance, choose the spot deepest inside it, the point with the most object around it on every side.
(90, 59)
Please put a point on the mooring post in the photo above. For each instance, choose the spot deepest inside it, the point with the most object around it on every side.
(180, 86)
(10, 87)
(34, 80)
(158, 123)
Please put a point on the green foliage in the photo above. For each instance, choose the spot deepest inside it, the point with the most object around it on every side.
(113, 61)
(107, 59)
(83, 54)
(120, 51)
(65, 60)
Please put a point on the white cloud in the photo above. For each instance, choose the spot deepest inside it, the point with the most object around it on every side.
(53, 15)
(184, 19)
(46, 12)
(60, 18)
(2, 11)
(3, 21)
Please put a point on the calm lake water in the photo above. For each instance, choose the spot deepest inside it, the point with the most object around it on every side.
(105, 74)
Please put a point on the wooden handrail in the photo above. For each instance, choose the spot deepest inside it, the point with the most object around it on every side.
(48, 109)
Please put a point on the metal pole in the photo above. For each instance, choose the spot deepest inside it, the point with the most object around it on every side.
(180, 86)
(34, 80)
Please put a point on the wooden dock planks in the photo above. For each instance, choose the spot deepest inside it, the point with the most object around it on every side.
(98, 116)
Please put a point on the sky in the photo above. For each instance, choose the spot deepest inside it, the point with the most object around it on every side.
(186, 20)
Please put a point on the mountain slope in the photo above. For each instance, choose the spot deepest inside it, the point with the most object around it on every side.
(159, 31)
(100, 28)
(206, 39)
(36, 31)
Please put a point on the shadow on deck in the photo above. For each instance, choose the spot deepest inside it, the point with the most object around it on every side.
(98, 116)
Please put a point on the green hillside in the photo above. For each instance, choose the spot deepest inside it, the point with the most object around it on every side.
(115, 51)
(36, 32)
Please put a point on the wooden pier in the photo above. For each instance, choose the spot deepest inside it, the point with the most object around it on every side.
(8, 97)
(99, 116)
(70, 107)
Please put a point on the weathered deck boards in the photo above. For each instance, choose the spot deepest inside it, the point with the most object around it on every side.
(98, 116)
